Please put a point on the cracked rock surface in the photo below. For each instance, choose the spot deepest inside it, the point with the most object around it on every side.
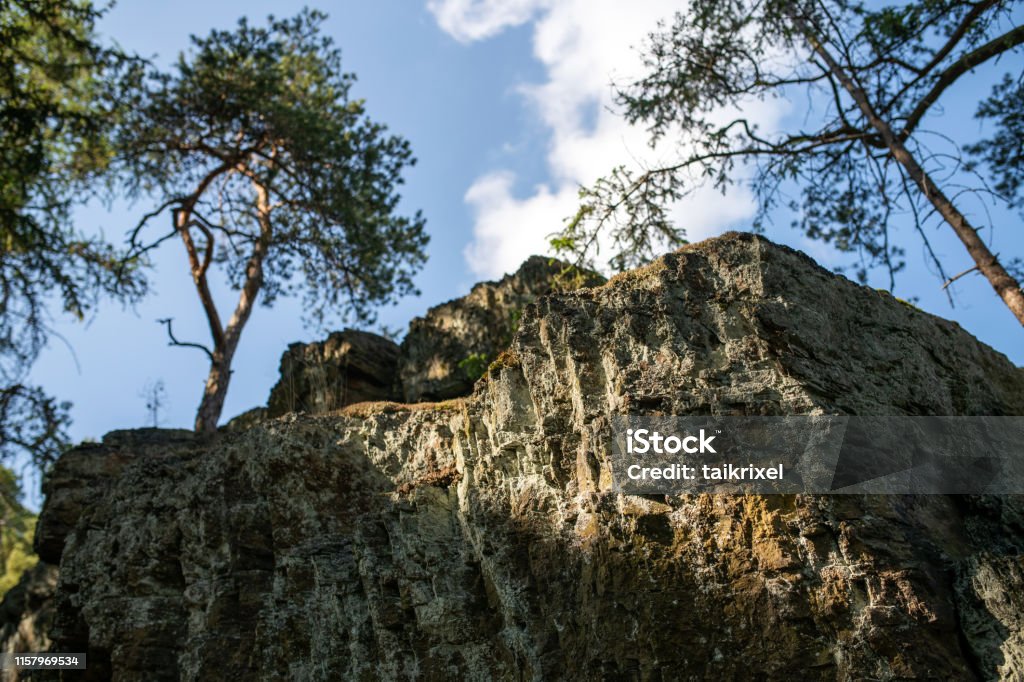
(479, 538)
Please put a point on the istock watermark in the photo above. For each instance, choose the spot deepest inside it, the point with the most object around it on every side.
(818, 455)
(642, 441)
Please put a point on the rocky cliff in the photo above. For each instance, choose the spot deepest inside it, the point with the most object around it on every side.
(451, 346)
(441, 357)
(479, 539)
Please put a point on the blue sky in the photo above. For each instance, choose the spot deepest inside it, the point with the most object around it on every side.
(506, 105)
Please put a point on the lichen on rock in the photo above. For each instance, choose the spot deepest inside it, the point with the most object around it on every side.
(450, 347)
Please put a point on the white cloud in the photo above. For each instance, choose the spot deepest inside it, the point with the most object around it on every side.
(585, 46)
(469, 20)
(510, 230)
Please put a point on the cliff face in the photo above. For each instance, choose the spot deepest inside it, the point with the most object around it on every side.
(479, 539)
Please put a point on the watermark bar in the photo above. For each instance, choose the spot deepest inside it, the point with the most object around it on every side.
(818, 455)
(42, 661)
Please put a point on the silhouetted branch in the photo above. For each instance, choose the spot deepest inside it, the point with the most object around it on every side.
(187, 344)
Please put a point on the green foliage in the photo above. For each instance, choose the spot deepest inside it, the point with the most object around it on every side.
(270, 171)
(17, 527)
(1003, 153)
(32, 422)
(474, 365)
(718, 57)
(58, 96)
(268, 110)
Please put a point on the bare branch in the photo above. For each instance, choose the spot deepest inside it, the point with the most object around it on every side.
(151, 246)
(184, 344)
(134, 234)
(959, 275)
(993, 48)
(944, 51)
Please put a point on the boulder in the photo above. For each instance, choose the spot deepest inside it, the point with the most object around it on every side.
(347, 367)
(481, 538)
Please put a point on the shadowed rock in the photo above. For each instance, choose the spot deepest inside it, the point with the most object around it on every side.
(348, 367)
(26, 614)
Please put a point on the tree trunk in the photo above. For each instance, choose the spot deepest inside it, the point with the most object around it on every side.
(217, 381)
(1008, 289)
(212, 404)
(1004, 284)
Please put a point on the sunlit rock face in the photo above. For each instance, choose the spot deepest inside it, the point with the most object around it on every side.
(448, 349)
(479, 538)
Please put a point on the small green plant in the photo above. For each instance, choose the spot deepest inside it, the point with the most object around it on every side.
(572, 277)
(507, 358)
(474, 365)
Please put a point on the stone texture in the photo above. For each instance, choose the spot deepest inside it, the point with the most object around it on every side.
(479, 538)
(347, 367)
(447, 349)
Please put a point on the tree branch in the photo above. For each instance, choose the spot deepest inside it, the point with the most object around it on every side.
(1004, 285)
(184, 344)
(208, 250)
(134, 235)
(959, 33)
(993, 48)
(253, 271)
(958, 276)
(183, 223)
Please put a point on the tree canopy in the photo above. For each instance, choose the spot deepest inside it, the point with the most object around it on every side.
(268, 169)
(862, 162)
(57, 102)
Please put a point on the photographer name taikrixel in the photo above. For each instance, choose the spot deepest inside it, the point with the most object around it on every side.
(818, 454)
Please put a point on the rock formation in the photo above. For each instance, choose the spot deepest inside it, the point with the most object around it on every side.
(479, 538)
(451, 346)
(347, 367)
(442, 356)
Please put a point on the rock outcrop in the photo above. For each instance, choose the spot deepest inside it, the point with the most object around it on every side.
(442, 356)
(347, 367)
(451, 346)
(480, 539)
